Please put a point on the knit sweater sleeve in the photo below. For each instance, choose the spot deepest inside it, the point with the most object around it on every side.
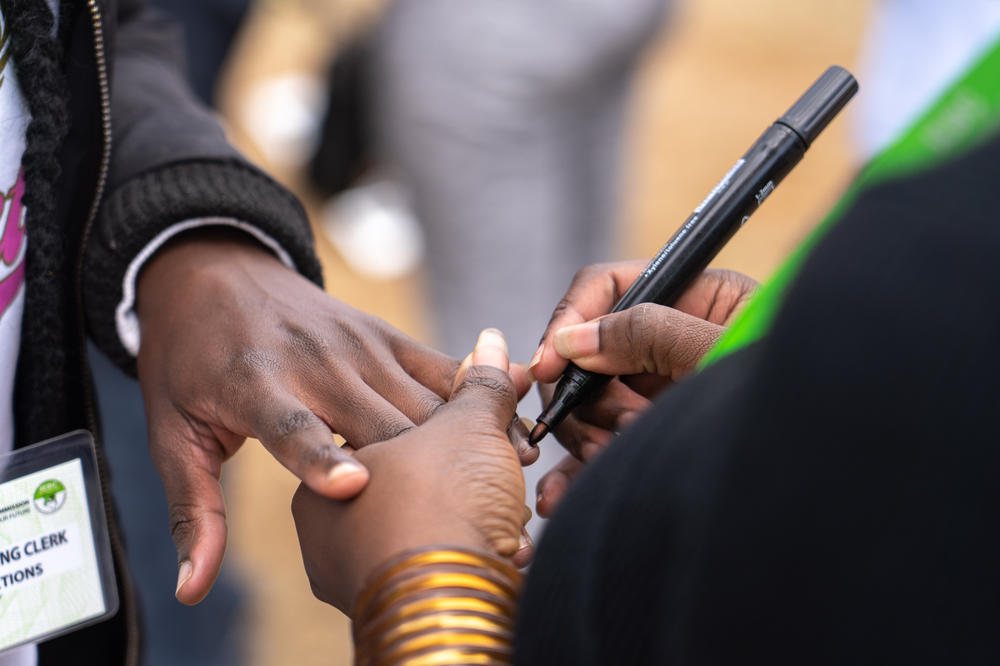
(170, 163)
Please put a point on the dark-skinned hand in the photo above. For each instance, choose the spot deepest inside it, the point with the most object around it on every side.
(236, 345)
(455, 480)
(648, 348)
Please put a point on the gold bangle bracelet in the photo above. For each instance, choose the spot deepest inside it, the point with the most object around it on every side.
(416, 558)
(450, 621)
(454, 582)
(438, 640)
(413, 561)
(435, 607)
(440, 604)
(452, 656)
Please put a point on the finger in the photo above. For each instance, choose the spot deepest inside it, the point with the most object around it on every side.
(617, 406)
(522, 379)
(645, 385)
(518, 433)
(518, 373)
(553, 486)
(428, 366)
(303, 443)
(716, 295)
(357, 411)
(460, 374)
(196, 509)
(525, 552)
(413, 400)
(593, 292)
(583, 440)
(486, 394)
(647, 338)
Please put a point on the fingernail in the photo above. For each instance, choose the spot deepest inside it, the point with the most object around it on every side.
(521, 441)
(524, 541)
(578, 340)
(343, 471)
(529, 425)
(491, 349)
(184, 573)
(535, 359)
(590, 450)
(463, 368)
(527, 371)
(626, 419)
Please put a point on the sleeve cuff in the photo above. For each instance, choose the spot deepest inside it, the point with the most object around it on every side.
(126, 319)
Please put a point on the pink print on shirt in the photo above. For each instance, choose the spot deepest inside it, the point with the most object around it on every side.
(11, 243)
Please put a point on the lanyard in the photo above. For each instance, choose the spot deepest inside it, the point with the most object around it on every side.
(966, 114)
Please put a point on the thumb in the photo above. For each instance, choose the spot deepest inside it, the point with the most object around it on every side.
(486, 393)
(196, 508)
(647, 338)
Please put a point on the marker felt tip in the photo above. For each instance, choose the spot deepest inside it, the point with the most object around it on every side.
(537, 433)
(714, 221)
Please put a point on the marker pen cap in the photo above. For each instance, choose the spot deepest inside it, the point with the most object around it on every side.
(820, 104)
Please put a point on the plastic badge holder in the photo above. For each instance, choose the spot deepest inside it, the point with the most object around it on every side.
(56, 569)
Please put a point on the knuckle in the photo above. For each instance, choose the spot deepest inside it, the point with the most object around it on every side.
(351, 341)
(320, 456)
(294, 422)
(390, 430)
(630, 331)
(307, 342)
(427, 406)
(592, 271)
(584, 274)
(491, 381)
(185, 520)
(642, 331)
(562, 307)
(248, 366)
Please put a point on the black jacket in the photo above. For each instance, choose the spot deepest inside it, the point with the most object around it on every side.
(134, 153)
(827, 495)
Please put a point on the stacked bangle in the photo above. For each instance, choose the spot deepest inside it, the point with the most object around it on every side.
(435, 607)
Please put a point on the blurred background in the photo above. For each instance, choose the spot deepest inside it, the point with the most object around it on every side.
(709, 76)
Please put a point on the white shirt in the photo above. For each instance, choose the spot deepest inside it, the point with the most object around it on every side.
(14, 120)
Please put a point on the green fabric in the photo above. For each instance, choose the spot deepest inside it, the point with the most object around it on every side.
(967, 113)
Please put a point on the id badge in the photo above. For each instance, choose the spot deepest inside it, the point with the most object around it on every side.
(56, 570)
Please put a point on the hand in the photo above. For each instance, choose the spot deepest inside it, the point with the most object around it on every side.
(647, 347)
(455, 480)
(236, 345)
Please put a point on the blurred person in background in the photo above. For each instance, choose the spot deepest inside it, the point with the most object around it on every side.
(504, 122)
(501, 125)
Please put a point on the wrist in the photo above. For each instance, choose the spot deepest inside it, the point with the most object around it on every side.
(429, 603)
(189, 259)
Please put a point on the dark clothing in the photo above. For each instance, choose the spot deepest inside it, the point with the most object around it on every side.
(827, 495)
(169, 162)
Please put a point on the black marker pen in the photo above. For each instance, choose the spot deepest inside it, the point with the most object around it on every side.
(714, 221)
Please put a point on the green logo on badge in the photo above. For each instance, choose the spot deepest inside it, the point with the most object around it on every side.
(50, 496)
